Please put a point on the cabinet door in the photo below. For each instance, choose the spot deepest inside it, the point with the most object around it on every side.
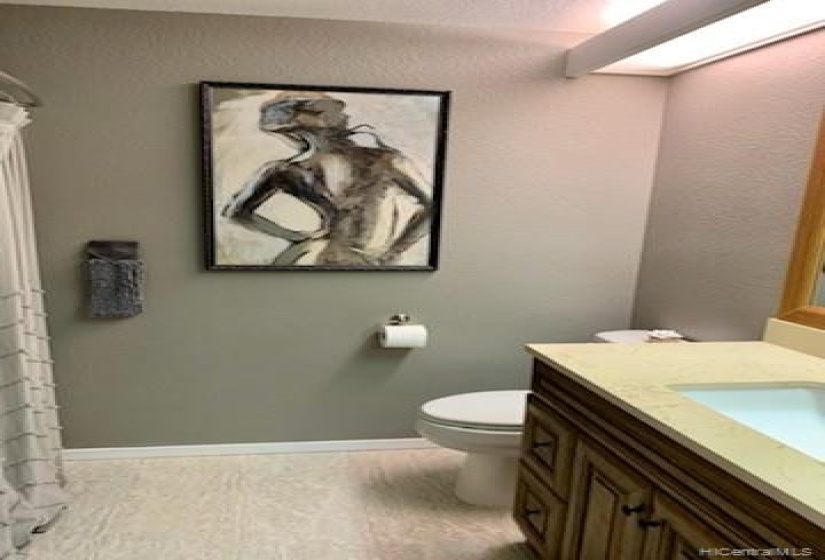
(674, 533)
(539, 514)
(607, 499)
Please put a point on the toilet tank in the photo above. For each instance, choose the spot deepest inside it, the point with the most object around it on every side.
(635, 335)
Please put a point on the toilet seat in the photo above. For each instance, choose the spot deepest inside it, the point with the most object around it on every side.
(471, 440)
(487, 411)
(469, 426)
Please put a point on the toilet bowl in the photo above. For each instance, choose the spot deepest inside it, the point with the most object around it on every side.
(487, 426)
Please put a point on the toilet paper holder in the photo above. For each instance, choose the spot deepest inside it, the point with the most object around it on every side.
(399, 319)
(398, 332)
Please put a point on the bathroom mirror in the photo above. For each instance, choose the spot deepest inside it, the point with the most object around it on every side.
(803, 300)
(818, 299)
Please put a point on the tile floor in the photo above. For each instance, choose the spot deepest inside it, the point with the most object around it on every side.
(387, 505)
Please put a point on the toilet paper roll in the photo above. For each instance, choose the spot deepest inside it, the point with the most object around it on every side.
(403, 336)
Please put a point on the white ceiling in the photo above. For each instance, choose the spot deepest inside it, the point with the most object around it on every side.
(585, 16)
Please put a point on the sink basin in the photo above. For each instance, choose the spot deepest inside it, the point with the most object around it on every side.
(793, 414)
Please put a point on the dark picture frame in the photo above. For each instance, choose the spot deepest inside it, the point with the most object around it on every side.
(322, 178)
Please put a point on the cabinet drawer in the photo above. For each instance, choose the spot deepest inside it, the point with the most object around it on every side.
(539, 514)
(547, 446)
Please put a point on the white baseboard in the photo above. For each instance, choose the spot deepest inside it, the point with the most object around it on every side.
(263, 448)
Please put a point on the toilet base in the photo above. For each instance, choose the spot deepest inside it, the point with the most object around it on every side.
(487, 480)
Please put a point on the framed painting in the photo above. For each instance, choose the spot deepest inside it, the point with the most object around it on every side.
(322, 178)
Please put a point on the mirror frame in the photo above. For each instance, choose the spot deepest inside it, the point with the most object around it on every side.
(806, 260)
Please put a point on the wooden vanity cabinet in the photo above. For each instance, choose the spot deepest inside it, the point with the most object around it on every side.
(596, 483)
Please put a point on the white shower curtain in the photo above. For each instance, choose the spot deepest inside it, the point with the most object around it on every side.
(31, 489)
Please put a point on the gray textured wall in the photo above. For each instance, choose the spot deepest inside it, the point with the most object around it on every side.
(737, 141)
(547, 185)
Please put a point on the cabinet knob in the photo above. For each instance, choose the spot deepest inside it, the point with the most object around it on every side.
(630, 510)
(647, 523)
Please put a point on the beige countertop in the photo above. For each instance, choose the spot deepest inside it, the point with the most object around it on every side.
(637, 377)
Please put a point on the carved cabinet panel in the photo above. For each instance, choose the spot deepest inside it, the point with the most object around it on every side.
(674, 533)
(606, 501)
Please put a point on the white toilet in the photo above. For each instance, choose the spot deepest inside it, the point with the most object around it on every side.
(488, 426)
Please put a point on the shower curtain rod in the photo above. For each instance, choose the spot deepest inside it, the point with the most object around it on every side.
(7, 79)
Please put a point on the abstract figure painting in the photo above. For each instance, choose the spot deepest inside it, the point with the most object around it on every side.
(322, 178)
